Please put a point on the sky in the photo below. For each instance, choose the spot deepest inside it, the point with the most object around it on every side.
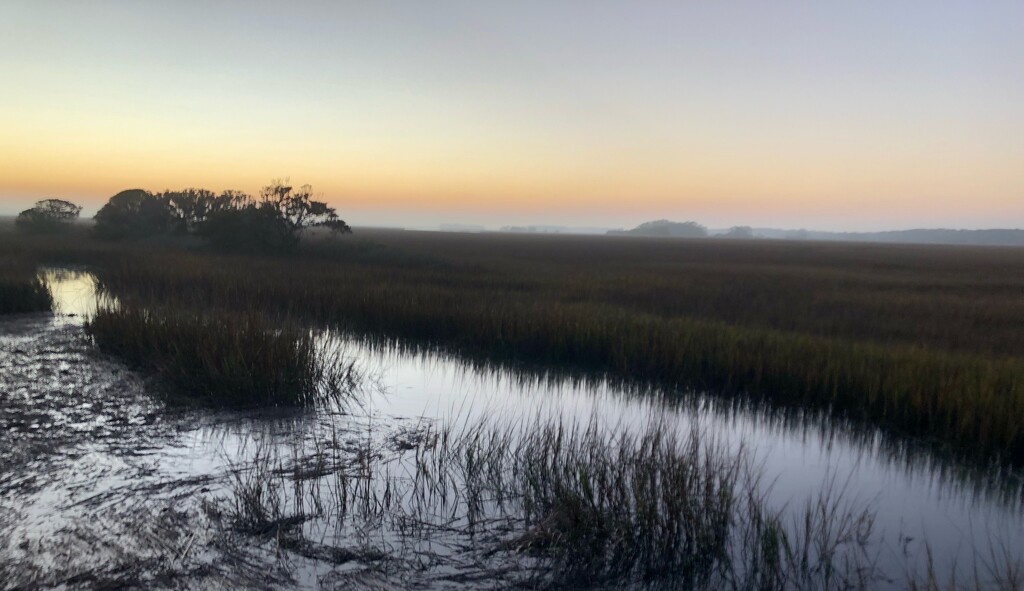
(821, 114)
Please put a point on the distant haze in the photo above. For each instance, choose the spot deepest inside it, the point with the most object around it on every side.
(873, 115)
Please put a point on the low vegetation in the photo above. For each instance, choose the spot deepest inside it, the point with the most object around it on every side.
(923, 341)
(223, 359)
(570, 505)
(563, 504)
(816, 329)
(21, 289)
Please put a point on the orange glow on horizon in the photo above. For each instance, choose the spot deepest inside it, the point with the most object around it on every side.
(619, 117)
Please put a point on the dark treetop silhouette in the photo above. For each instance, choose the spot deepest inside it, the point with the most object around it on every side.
(232, 220)
(48, 215)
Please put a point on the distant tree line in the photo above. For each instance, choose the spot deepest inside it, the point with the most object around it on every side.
(666, 228)
(738, 232)
(231, 220)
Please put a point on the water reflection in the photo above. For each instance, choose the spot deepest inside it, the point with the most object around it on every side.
(74, 293)
(424, 382)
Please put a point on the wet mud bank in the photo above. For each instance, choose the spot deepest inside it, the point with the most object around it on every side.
(99, 483)
(102, 485)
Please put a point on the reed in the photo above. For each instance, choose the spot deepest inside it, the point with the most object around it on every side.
(926, 342)
(970, 401)
(558, 505)
(21, 289)
(223, 359)
(998, 568)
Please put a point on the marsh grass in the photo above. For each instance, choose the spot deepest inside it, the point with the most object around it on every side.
(578, 505)
(22, 290)
(926, 342)
(232, 360)
(559, 505)
(999, 568)
(970, 402)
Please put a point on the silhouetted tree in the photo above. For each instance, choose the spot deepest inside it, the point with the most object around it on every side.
(229, 221)
(134, 213)
(273, 224)
(299, 210)
(192, 207)
(248, 229)
(48, 215)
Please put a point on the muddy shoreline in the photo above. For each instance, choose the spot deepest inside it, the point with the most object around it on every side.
(104, 486)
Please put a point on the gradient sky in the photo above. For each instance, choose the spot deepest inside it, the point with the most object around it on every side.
(832, 115)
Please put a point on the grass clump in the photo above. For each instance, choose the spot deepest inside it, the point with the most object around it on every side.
(604, 507)
(235, 360)
(22, 290)
(552, 504)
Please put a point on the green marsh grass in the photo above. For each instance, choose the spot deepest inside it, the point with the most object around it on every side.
(223, 359)
(972, 401)
(22, 290)
(926, 341)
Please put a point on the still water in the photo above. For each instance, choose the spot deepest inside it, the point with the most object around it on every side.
(131, 451)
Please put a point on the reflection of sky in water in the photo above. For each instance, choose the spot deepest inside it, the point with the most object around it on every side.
(913, 493)
(74, 293)
(912, 496)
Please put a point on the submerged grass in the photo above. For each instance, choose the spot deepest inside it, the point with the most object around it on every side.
(600, 506)
(567, 505)
(223, 359)
(999, 569)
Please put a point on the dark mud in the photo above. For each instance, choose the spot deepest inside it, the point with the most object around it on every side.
(101, 486)
(83, 501)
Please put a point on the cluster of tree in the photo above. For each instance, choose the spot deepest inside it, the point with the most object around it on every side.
(738, 233)
(666, 228)
(48, 216)
(232, 220)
